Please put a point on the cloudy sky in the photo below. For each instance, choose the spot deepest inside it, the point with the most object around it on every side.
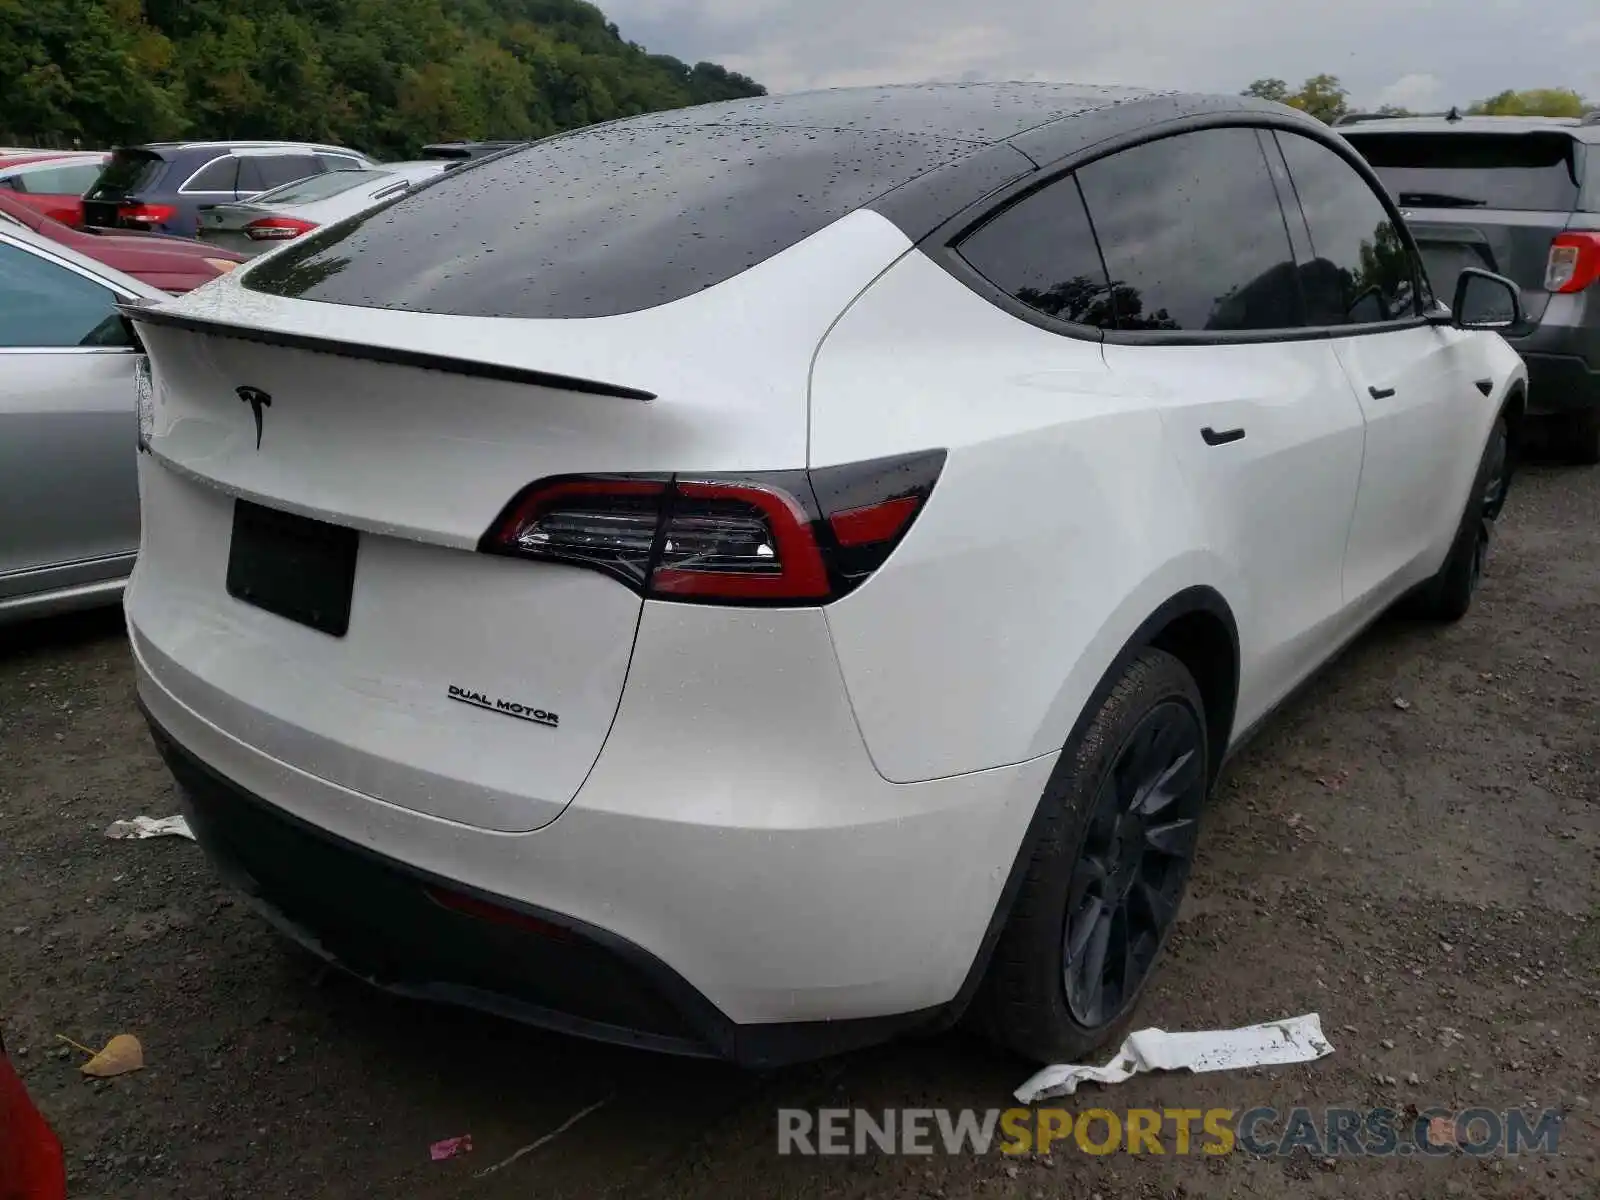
(1418, 53)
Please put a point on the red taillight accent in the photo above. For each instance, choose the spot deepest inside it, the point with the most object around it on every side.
(1574, 263)
(875, 522)
(146, 214)
(738, 541)
(277, 229)
(788, 537)
(496, 914)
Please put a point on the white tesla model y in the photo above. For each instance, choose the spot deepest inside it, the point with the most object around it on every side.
(748, 580)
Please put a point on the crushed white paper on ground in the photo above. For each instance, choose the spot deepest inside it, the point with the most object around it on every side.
(1298, 1039)
(149, 827)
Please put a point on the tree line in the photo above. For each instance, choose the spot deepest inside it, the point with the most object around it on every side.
(1325, 98)
(382, 76)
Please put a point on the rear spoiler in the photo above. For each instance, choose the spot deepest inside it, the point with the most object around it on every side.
(143, 313)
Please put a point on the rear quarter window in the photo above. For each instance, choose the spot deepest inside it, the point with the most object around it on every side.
(607, 220)
(1529, 172)
(59, 181)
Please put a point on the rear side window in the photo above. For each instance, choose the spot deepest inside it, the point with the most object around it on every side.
(1193, 235)
(58, 181)
(1533, 172)
(1041, 251)
(610, 219)
(128, 173)
(257, 173)
(44, 305)
(1361, 271)
(219, 176)
(340, 162)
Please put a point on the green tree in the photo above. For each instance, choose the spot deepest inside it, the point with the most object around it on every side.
(1539, 102)
(1323, 96)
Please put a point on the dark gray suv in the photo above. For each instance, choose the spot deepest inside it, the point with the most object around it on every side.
(1519, 196)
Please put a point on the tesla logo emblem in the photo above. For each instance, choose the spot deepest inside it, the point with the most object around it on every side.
(257, 400)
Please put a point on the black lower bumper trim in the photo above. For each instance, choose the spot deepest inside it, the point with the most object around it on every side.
(379, 920)
(1560, 383)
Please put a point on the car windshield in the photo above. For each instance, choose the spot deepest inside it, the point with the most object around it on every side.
(1534, 172)
(317, 187)
(128, 172)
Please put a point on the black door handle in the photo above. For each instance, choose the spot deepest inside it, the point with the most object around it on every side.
(1214, 438)
(1379, 393)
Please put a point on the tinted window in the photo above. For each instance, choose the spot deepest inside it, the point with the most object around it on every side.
(44, 304)
(128, 172)
(1527, 171)
(257, 173)
(1361, 271)
(59, 181)
(1042, 251)
(1193, 235)
(220, 176)
(340, 162)
(610, 219)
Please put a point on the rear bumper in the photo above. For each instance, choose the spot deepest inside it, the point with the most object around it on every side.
(752, 924)
(1563, 366)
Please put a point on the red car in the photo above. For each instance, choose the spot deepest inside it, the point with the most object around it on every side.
(52, 181)
(31, 1165)
(172, 264)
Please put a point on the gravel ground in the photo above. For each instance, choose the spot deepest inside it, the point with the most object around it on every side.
(1410, 849)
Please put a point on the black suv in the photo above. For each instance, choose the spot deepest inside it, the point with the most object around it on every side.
(1519, 196)
(163, 186)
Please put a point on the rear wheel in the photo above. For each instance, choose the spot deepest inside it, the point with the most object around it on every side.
(1448, 595)
(1576, 437)
(1108, 873)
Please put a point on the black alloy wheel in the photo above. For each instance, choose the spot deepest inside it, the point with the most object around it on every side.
(1133, 864)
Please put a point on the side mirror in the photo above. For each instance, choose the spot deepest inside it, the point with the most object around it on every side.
(1486, 301)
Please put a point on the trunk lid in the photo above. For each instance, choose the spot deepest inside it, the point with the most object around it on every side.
(1493, 200)
(470, 687)
(129, 172)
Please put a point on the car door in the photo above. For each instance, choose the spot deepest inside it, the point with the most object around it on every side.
(1259, 416)
(1412, 379)
(69, 506)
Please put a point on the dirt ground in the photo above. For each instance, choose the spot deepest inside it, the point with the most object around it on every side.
(1411, 849)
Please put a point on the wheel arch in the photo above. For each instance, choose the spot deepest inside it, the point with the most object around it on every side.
(1196, 625)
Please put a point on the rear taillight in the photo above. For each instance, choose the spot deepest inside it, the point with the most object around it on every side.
(146, 214)
(1574, 262)
(277, 229)
(790, 537)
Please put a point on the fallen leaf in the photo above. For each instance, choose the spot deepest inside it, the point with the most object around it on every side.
(121, 1055)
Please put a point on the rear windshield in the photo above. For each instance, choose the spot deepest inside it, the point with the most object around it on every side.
(128, 173)
(1534, 172)
(608, 220)
(71, 180)
(318, 187)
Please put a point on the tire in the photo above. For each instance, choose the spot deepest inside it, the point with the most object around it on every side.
(1576, 437)
(1448, 595)
(1039, 997)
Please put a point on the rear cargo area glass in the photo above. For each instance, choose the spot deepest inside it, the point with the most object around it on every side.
(1526, 172)
(604, 221)
(128, 172)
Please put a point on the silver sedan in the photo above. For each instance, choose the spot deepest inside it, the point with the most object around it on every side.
(69, 503)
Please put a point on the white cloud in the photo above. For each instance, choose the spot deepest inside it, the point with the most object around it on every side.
(1374, 46)
(1419, 93)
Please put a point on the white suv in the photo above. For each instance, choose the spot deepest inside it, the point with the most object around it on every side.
(797, 577)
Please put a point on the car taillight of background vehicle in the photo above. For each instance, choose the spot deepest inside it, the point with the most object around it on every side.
(220, 265)
(276, 229)
(771, 538)
(1574, 263)
(146, 214)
